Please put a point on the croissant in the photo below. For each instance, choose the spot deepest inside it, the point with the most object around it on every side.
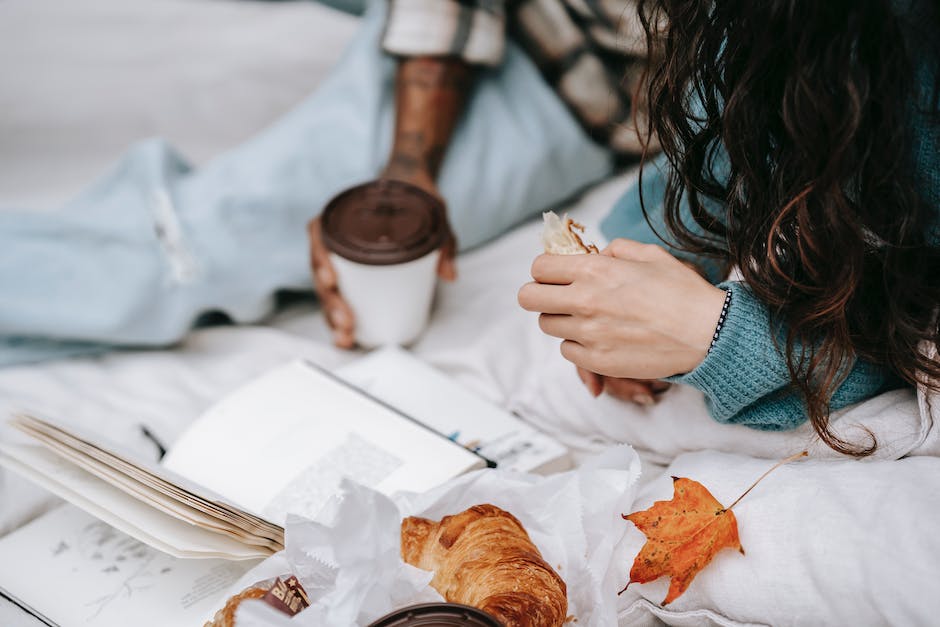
(484, 558)
(225, 617)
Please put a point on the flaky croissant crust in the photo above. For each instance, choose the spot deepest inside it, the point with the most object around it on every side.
(483, 557)
(225, 617)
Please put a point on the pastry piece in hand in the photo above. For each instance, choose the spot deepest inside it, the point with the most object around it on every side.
(560, 236)
(483, 557)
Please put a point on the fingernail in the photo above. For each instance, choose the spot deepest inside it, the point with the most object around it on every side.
(644, 399)
(339, 318)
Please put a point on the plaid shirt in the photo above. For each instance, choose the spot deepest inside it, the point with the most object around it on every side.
(592, 52)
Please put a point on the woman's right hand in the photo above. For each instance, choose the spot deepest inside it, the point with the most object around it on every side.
(639, 391)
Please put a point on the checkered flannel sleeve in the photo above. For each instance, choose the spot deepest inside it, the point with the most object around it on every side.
(592, 53)
(474, 30)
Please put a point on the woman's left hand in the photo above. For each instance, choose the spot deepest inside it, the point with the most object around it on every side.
(639, 391)
(634, 311)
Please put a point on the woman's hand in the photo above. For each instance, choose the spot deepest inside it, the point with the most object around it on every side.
(633, 312)
(639, 391)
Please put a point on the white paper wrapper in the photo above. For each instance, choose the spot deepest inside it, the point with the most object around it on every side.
(349, 560)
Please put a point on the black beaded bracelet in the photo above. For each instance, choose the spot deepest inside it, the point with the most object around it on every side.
(721, 320)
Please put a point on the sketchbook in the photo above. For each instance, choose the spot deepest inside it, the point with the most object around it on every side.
(280, 445)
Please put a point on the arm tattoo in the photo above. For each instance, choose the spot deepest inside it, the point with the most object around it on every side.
(429, 97)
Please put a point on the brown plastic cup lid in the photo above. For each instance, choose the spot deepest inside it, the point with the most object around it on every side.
(437, 615)
(383, 223)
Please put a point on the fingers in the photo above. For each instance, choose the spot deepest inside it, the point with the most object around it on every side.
(593, 381)
(639, 391)
(551, 299)
(632, 390)
(340, 318)
(447, 268)
(561, 326)
(554, 269)
(578, 355)
(447, 264)
(324, 276)
(339, 314)
(659, 387)
(634, 251)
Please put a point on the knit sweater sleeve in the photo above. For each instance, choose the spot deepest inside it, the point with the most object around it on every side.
(745, 377)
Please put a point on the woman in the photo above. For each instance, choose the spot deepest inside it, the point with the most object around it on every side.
(801, 145)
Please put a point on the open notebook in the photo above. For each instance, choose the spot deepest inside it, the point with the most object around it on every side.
(68, 568)
(278, 445)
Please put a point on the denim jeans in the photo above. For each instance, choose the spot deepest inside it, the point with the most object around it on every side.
(141, 254)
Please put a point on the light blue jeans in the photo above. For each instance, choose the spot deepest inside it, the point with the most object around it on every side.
(139, 255)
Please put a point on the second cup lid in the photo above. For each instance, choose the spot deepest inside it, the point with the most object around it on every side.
(383, 223)
(437, 615)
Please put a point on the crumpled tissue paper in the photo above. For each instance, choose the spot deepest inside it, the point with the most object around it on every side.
(348, 559)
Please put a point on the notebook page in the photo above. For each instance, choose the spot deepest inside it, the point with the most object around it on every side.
(120, 510)
(81, 448)
(160, 501)
(77, 570)
(416, 388)
(284, 441)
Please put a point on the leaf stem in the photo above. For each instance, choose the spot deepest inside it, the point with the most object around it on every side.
(791, 458)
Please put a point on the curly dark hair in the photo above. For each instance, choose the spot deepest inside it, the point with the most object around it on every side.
(811, 103)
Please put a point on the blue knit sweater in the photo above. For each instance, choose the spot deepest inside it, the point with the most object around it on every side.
(745, 377)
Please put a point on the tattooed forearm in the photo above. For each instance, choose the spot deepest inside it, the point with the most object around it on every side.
(403, 164)
(447, 73)
(429, 97)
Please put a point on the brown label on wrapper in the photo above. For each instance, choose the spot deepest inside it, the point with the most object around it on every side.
(287, 596)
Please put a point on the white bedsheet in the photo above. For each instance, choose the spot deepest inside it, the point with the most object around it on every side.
(478, 335)
(202, 58)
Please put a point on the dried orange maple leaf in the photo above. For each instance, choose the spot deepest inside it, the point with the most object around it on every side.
(684, 534)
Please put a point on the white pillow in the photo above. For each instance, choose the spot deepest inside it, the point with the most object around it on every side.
(554, 398)
(826, 542)
(82, 80)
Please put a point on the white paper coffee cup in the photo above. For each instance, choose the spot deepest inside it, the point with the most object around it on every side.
(384, 240)
(391, 303)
